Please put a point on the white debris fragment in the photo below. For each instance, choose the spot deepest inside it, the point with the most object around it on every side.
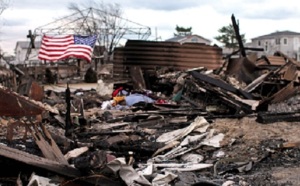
(163, 179)
(180, 133)
(192, 158)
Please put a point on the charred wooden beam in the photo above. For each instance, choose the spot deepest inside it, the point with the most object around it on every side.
(266, 118)
(193, 103)
(219, 83)
(26, 161)
(32, 45)
(283, 94)
(31, 37)
(142, 149)
(254, 49)
(38, 161)
(47, 145)
(238, 36)
(68, 112)
(234, 104)
(233, 53)
(102, 133)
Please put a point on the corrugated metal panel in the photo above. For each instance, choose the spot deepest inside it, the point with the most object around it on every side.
(150, 55)
(262, 62)
(276, 60)
(271, 60)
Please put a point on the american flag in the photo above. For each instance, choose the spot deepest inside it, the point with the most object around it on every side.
(55, 48)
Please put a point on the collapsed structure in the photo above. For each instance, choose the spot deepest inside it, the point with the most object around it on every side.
(165, 119)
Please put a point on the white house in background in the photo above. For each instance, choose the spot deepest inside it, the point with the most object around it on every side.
(190, 39)
(21, 51)
(287, 42)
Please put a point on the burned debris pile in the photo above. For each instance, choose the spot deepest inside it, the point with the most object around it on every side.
(242, 86)
(173, 115)
(162, 130)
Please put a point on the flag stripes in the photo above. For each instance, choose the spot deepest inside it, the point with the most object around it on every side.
(55, 48)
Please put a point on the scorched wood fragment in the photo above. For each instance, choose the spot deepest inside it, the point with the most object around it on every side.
(38, 161)
(219, 83)
(16, 106)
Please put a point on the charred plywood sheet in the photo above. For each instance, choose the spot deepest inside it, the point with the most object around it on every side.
(152, 55)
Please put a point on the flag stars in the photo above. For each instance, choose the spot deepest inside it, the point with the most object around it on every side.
(85, 40)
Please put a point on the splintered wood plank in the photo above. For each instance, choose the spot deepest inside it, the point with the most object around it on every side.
(48, 147)
(56, 151)
(137, 78)
(38, 161)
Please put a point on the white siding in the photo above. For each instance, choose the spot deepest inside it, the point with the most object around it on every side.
(290, 48)
(296, 43)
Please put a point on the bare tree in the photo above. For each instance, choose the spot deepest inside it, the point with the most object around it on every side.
(104, 20)
(4, 4)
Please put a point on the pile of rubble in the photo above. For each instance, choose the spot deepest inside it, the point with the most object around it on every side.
(188, 127)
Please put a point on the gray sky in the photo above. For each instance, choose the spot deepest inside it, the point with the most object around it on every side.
(256, 17)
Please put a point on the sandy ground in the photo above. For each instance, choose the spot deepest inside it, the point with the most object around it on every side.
(252, 132)
(248, 144)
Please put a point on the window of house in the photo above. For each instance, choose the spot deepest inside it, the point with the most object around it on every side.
(259, 43)
(285, 41)
(195, 40)
(266, 46)
(277, 41)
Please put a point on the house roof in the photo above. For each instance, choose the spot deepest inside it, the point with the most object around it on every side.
(180, 38)
(277, 34)
(25, 44)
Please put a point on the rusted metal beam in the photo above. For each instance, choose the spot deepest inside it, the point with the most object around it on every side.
(17, 106)
(32, 90)
(14, 105)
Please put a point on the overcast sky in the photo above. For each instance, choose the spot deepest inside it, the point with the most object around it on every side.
(256, 17)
